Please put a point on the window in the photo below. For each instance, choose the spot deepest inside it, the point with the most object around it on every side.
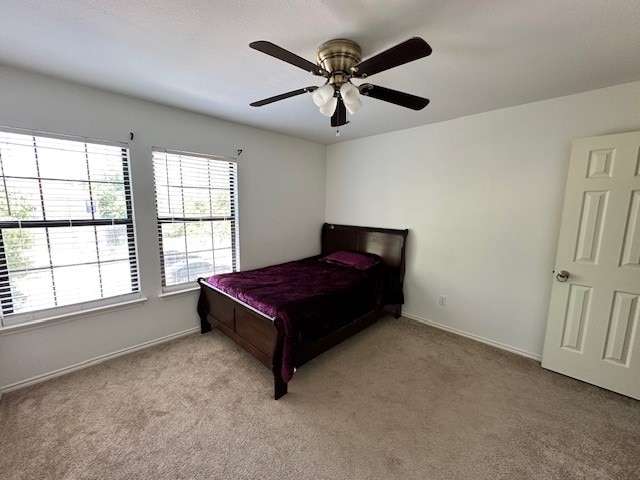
(66, 225)
(196, 198)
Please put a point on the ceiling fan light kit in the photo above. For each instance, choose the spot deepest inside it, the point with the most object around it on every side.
(339, 61)
(329, 107)
(354, 106)
(323, 94)
(349, 92)
(351, 97)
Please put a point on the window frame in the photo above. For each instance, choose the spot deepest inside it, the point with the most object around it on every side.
(7, 316)
(233, 217)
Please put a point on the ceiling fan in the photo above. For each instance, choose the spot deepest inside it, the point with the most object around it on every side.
(340, 61)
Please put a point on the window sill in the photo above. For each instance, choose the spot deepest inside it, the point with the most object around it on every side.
(178, 293)
(67, 317)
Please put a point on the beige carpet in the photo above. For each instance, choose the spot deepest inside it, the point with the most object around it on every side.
(399, 400)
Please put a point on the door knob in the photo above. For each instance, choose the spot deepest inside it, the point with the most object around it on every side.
(562, 276)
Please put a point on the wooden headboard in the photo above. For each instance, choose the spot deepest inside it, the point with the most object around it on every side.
(389, 244)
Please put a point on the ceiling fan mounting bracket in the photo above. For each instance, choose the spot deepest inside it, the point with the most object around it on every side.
(338, 57)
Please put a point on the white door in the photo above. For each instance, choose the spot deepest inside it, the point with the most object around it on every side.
(592, 329)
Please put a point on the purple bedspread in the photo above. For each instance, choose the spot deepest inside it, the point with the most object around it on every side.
(312, 297)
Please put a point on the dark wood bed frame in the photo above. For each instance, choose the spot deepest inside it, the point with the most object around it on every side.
(263, 337)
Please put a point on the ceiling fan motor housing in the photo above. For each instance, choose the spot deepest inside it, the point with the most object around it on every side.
(338, 57)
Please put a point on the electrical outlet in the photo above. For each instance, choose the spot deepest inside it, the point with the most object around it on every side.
(442, 300)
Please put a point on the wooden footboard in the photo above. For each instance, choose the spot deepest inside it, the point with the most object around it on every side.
(261, 336)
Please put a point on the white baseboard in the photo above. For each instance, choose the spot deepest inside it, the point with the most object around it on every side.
(477, 338)
(93, 361)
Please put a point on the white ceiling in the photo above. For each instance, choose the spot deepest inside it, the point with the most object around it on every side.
(487, 54)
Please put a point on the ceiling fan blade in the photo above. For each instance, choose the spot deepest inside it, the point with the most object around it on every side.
(282, 96)
(340, 115)
(404, 52)
(394, 96)
(286, 56)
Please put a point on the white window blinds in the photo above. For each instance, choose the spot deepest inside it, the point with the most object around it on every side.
(196, 198)
(66, 225)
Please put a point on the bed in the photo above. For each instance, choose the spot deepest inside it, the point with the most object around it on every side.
(287, 314)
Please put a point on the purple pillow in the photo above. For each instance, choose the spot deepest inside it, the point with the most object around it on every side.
(360, 261)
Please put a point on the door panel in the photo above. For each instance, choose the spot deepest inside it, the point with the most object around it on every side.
(624, 317)
(594, 208)
(631, 250)
(576, 317)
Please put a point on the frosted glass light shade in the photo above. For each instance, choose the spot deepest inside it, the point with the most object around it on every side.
(328, 108)
(323, 94)
(349, 93)
(354, 106)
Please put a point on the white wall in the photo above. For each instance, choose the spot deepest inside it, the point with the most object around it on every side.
(281, 200)
(482, 197)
